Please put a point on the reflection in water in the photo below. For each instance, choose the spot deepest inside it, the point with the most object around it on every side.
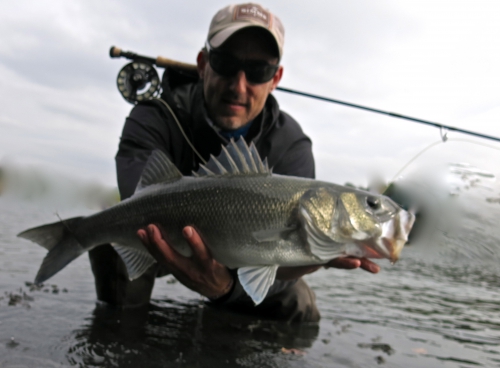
(438, 306)
(167, 333)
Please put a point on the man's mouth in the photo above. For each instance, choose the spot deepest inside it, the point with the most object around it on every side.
(234, 103)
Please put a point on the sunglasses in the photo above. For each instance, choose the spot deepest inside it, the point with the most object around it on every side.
(226, 65)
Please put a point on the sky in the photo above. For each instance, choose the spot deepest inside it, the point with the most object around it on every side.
(436, 60)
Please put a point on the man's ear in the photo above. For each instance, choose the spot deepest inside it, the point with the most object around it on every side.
(277, 77)
(201, 63)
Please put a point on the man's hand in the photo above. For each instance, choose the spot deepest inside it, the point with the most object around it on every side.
(347, 263)
(200, 272)
(203, 274)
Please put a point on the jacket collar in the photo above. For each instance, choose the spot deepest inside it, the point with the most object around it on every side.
(189, 97)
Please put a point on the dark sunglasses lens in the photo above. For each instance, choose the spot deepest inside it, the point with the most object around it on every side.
(260, 74)
(228, 66)
(223, 65)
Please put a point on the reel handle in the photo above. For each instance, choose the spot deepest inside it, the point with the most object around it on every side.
(160, 61)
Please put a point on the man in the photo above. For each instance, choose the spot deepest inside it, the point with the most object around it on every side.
(238, 69)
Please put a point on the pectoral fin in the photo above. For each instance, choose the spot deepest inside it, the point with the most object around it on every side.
(256, 281)
(136, 260)
(273, 234)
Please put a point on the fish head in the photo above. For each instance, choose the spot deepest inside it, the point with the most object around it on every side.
(374, 224)
(393, 225)
(362, 215)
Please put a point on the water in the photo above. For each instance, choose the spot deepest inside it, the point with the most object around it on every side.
(438, 307)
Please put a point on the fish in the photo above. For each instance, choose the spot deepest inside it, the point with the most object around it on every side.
(249, 218)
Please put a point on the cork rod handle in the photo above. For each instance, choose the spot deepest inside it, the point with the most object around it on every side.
(164, 62)
(160, 61)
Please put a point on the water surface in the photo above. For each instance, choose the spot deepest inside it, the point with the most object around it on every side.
(438, 307)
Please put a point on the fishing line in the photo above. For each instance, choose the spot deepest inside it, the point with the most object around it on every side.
(443, 140)
(182, 130)
(64, 223)
(412, 160)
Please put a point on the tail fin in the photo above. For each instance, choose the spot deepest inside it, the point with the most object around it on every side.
(58, 238)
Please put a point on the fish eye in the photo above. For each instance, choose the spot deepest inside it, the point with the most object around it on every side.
(373, 203)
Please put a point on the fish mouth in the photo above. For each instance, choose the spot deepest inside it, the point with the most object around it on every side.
(393, 238)
(391, 248)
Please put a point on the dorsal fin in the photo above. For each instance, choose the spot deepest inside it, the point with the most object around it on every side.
(158, 169)
(215, 166)
(227, 161)
(235, 159)
(237, 156)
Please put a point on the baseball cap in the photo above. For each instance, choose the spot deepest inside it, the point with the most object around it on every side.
(235, 17)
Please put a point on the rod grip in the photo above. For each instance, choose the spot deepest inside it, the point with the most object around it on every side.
(160, 61)
(164, 62)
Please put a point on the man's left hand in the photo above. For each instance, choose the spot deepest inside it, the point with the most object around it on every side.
(346, 263)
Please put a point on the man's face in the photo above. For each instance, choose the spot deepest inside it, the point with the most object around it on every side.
(232, 102)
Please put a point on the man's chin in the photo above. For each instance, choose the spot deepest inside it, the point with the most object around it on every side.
(230, 123)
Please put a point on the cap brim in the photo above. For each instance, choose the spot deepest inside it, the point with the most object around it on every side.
(219, 38)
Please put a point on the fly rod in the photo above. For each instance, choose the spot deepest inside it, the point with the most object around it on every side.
(135, 78)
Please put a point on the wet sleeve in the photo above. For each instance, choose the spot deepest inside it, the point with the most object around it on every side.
(144, 131)
(238, 294)
(298, 160)
(290, 151)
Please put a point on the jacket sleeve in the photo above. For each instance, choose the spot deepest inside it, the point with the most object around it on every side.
(143, 132)
(298, 160)
(288, 149)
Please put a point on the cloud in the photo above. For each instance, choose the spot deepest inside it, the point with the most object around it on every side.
(420, 58)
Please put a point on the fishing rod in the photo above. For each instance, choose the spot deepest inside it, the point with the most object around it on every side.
(139, 81)
(442, 127)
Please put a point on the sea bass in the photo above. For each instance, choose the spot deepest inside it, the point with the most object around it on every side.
(250, 219)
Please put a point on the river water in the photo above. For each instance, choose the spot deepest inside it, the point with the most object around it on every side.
(439, 306)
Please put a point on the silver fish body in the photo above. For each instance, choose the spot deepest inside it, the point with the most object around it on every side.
(249, 219)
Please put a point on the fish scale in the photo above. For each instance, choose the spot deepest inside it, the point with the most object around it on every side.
(253, 221)
(216, 210)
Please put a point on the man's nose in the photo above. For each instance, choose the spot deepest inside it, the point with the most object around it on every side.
(239, 82)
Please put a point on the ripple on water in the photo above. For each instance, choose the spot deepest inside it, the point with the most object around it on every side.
(189, 334)
(427, 310)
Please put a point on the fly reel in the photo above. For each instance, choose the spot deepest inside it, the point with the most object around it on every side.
(138, 81)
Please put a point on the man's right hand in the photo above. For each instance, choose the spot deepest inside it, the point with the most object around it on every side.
(203, 274)
(199, 272)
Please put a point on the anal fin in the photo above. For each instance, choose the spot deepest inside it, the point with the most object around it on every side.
(257, 280)
(136, 260)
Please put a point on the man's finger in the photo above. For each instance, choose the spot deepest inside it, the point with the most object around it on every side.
(197, 245)
(146, 241)
(161, 248)
(369, 266)
(142, 234)
(346, 263)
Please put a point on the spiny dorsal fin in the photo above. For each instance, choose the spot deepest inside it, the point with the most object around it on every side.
(205, 171)
(235, 159)
(215, 166)
(237, 156)
(227, 161)
(159, 169)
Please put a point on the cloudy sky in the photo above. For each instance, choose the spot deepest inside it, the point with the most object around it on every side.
(432, 59)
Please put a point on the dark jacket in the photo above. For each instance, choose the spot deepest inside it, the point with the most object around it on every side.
(151, 126)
